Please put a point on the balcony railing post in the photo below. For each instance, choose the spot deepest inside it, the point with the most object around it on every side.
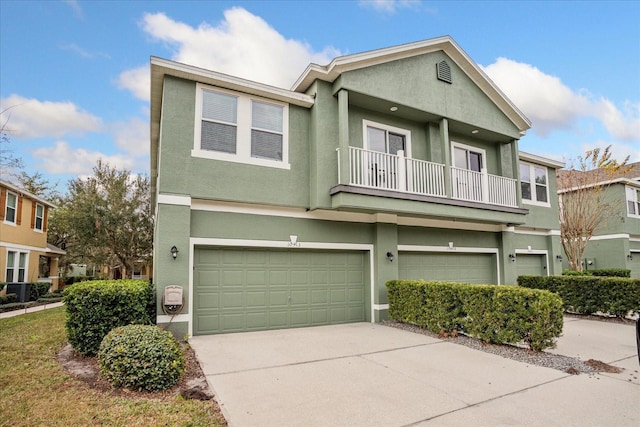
(402, 171)
(485, 186)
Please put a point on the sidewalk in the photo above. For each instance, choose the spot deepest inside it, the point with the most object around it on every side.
(14, 313)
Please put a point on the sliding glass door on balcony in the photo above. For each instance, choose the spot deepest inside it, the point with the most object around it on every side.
(467, 176)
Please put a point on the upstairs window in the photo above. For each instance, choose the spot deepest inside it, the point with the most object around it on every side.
(11, 209)
(534, 184)
(633, 201)
(240, 128)
(39, 217)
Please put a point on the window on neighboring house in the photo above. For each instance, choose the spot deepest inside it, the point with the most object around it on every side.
(633, 201)
(534, 184)
(39, 219)
(386, 139)
(239, 128)
(16, 266)
(11, 210)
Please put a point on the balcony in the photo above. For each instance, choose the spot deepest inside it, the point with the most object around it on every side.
(382, 171)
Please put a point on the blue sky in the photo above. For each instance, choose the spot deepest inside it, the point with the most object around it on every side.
(74, 79)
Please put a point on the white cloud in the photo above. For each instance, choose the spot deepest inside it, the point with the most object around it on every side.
(75, 6)
(389, 6)
(132, 136)
(242, 44)
(62, 158)
(137, 81)
(31, 118)
(72, 47)
(551, 105)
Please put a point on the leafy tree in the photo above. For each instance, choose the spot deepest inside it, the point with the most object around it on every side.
(37, 185)
(105, 219)
(8, 161)
(584, 205)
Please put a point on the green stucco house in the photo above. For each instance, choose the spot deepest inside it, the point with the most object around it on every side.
(616, 243)
(292, 208)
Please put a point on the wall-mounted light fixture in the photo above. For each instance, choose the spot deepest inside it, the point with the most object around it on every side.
(390, 256)
(293, 241)
(630, 257)
(174, 252)
(512, 257)
(559, 258)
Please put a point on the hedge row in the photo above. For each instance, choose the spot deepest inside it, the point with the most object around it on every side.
(606, 272)
(493, 313)
(95, 308)
(616, 296)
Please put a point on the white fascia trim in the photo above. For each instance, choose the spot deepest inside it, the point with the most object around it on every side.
(19, 247)
(537, 232)
(174, 199)
(625, 181)
(163, 318)
(455, 249)
(611, 237)
(205, 241)
(380, 307)
(24, 193)
(544, 161)
(634, 239)
(226, 81)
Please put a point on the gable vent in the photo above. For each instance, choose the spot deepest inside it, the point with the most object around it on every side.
(443, 71)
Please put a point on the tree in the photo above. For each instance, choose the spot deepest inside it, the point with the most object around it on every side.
(37, 185)
(8, 161)
(584, 205)
(105, 219)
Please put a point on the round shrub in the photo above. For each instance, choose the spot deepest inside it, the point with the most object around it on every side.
(141, 357)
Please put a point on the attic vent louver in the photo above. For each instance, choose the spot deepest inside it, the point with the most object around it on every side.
(443, 71)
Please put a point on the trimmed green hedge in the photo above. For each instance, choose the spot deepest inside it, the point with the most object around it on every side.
(95, 308)
(141, 357)
(607, 272)
(493, 313)
(616, 296)
(8, 299)
(38, 289)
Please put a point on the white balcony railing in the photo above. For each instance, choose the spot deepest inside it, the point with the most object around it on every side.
(374, 169)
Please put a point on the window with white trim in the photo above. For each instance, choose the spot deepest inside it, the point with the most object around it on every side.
(11, 210)
(534, 184)
(386, 139)
(16, 266)
(39, 220)
(633, 201)
(468, 157)
(240, 128)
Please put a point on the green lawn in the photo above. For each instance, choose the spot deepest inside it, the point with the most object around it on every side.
(35, 391)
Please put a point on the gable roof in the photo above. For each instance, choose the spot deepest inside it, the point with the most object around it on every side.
(26, 194)
(337, 66)
(630, 177)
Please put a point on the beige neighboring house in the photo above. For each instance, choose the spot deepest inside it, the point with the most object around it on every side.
(25, 255)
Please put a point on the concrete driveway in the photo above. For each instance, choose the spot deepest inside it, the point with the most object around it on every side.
(366, 374)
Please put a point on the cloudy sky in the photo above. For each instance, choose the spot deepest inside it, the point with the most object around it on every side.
(74, 75)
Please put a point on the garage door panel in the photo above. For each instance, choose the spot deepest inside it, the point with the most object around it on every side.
(278, 319)
(250, 289)
(208, 322)
(299, 317)
(299, 297)
(256, 299)
(208, 300)
(232, 300)
(530, 265)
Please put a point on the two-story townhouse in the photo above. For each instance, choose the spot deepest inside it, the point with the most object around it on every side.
(283, 208)
(25, 255)
(616, 243)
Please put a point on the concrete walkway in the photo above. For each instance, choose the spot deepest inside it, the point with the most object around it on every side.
(13, 313)
(371, 375)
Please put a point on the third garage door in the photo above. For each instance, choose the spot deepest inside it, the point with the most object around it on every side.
(249, 289)
(458, 267)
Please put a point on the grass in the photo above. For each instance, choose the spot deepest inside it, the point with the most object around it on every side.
(36, 391)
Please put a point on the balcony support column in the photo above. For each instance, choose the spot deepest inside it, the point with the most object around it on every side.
(515, 158)
(343, 136)
(446, 155)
